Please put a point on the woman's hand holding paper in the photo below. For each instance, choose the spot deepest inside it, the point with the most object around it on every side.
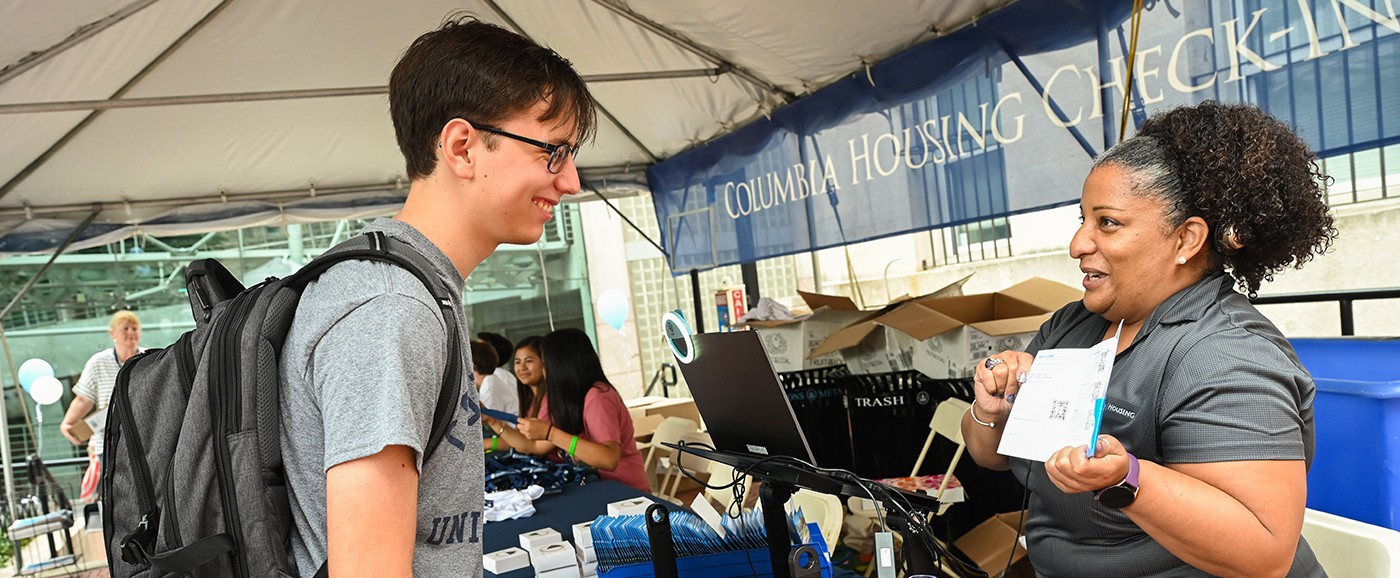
(997, 380)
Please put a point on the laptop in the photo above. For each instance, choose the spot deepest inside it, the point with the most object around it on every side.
(737, 391)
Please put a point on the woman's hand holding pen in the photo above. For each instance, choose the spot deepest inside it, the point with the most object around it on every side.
(1074, 473)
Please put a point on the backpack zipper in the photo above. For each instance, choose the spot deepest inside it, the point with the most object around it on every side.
(145, 531)
(227, 420)
(185, 362)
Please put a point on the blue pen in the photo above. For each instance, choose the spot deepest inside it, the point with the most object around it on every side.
(1101, 389)
(1099, 403)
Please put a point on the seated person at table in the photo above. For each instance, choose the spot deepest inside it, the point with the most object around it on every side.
(1202, 468)
(499, 388)
(483, 364)
(582, 416)
(529, 374)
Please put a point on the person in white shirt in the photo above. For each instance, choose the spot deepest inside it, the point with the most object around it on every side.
(499, 389)
(99, 377)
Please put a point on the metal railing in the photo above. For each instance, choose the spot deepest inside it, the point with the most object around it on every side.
(1344, 299)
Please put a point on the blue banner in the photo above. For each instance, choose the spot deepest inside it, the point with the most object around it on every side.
(1004, 117)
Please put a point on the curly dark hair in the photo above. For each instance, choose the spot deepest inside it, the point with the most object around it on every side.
(1255, 182)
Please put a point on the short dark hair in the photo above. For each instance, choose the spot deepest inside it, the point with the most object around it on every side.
(481, 73)
(483, 357)
(503, 348)
(1254, 181)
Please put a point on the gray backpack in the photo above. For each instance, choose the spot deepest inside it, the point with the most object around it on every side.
(192, 479)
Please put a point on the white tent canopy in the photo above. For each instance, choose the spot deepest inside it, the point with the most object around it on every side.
(192, 115)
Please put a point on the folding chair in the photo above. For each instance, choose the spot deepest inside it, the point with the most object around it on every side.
(669, 430)
(824, 509)
(947, 422)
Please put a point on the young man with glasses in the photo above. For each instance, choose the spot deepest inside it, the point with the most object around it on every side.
(488, 123)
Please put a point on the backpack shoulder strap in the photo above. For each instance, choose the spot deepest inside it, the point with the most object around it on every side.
(376, 246)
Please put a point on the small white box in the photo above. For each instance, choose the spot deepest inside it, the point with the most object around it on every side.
(530, 540)
(585, 554)
(508, 560)
(589, 567)
(565, 572)
(583, 534)
(550, 556)
(632, 507)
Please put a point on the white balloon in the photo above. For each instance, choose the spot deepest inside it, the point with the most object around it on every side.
(46, 390)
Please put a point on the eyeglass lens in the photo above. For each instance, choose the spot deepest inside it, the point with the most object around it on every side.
(557, 156)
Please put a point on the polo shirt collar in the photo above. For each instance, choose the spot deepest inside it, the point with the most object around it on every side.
(1189, 304)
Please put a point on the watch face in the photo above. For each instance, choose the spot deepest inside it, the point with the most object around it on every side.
(1116, 496)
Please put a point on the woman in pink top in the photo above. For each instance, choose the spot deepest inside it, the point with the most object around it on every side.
(582, 415)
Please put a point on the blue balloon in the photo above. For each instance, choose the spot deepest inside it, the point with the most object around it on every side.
(613, 308)
(33, 369)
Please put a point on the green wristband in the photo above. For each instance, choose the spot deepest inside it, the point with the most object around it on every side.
(573, 445)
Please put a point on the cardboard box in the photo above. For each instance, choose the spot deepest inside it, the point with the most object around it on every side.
(788, 342)
(82, 431)
(676, 406)
(91, 425)
(942, 337)
(873, 345)
(643, 425)
(990, 545)
(648, 412)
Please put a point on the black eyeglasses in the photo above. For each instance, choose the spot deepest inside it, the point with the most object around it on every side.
(557, 152)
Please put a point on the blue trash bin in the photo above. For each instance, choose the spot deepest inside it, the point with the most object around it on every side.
(1356, 467)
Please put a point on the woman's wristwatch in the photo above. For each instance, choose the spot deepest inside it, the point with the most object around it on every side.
(1123, 493)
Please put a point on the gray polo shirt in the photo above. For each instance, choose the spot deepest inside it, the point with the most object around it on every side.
(1206, 379)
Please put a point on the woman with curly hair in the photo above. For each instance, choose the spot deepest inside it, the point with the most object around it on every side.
(1202, 465)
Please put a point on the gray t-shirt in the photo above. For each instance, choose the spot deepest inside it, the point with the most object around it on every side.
(361, 370)
(1207, 379)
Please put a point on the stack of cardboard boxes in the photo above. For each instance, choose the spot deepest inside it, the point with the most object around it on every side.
(789, 341)
(940, 335)
(943, 337)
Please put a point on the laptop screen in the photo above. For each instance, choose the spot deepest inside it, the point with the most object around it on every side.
(737, 392)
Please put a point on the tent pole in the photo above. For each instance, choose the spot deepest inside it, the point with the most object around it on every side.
(600, 108)
(699, 303)
(634, 226)
(79, 36)
(82, 125)
(1049, 100)
(14, 372)
(274, 95)
(5, 425)
(751, 286)
(698, 49)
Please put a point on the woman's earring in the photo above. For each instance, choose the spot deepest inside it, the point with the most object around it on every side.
(1181, 260)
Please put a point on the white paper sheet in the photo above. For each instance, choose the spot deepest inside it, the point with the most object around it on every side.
(1061, 403)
